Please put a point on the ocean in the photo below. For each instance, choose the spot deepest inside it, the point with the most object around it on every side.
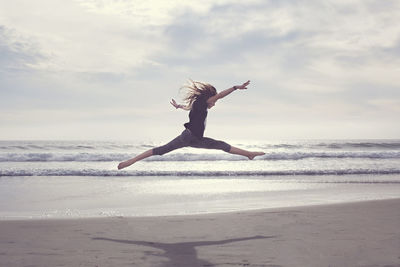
(69, 179)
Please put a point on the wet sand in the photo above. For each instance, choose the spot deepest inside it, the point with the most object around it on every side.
(352, 234)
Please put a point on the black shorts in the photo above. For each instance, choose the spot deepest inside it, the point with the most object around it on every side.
(188, 139)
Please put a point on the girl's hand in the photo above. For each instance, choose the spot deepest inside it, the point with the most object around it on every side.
(243, 86)
(176, 105)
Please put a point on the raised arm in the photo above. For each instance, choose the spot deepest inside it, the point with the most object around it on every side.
(176, 105)
(226, 92)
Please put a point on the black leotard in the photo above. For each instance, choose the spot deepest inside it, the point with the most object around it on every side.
(197, 117)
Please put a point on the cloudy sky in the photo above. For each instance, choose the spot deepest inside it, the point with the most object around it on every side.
(107, 69)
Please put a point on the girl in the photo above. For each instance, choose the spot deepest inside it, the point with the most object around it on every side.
(200, 97)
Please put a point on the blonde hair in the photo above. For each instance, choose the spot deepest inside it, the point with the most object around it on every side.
(195, 89)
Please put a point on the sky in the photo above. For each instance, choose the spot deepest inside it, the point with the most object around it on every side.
(107, 69)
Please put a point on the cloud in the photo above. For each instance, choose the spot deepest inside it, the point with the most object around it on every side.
(304, 57)
(16, 52)
(77, 40)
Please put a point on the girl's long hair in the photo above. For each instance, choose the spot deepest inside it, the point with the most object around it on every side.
(195, 90)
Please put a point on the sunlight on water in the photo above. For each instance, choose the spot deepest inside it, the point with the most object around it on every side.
(215, 186)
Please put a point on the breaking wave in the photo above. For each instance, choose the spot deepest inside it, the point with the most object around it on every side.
(87, 157)
(107, 173)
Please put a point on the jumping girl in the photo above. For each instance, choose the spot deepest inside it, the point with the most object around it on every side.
(200, 97)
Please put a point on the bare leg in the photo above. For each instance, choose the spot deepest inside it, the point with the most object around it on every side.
(129, 162)
(242, 152)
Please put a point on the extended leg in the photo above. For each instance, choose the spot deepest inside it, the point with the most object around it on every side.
(242, 152)
(178, 142)
(129, 162)
(210, 143)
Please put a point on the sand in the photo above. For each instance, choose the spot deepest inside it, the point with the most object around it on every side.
(353, 234)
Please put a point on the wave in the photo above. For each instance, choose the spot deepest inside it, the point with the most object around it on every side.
(103, 157)
(60, 157)
(68, 146)
(369, 145)
(111, 173)
(388, 145)
(104, 145)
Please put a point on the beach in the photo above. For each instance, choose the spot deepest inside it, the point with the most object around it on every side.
(304, 203)
(347, 234)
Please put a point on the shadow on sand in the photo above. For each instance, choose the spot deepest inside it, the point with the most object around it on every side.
(182, 254)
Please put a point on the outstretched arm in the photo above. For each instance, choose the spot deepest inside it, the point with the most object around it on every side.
(226, 92)
(176, 105)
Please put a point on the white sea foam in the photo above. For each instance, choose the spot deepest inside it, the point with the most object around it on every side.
(110, 173)
(106, 156)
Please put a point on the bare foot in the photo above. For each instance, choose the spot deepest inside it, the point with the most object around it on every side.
(252, 155)
(123, 165)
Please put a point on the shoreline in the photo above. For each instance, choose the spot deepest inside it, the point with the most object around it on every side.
(229, 212)
(81, 197)
(365, 233)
